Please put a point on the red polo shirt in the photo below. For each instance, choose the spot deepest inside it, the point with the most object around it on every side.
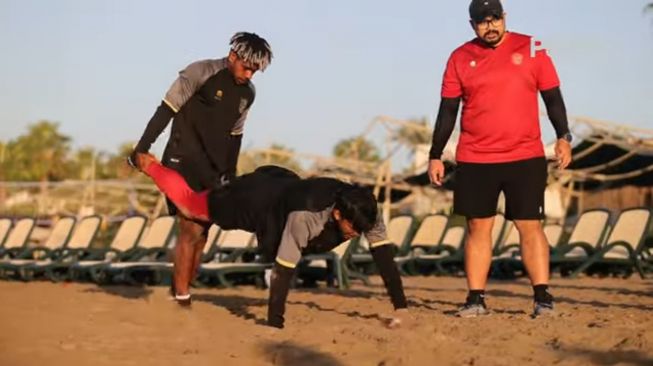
(499, 87)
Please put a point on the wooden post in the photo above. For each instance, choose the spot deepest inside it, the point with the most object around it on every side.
(581, 193)
(93, 168)
(388, 192)
(3, 189)
(380, 177)
(567, 201)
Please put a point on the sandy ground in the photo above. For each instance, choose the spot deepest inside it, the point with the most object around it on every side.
(598, 321)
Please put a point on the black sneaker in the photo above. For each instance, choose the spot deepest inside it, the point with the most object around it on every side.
(473, 307)
(543, 306)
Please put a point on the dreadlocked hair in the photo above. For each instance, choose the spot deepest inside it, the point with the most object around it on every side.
(252, 49)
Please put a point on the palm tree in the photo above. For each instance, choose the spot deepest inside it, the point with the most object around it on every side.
(357, 148)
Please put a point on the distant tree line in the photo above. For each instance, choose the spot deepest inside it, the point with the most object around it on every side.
(43, 153)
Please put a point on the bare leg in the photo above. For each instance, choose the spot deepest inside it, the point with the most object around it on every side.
(190, 233)
(198, 250)
(478, 252)
(534, 250)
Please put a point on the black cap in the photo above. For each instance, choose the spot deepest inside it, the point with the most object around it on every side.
(481, 9)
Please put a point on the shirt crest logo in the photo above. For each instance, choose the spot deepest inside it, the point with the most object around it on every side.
(517, 58)
(242, 106)
(218, 95)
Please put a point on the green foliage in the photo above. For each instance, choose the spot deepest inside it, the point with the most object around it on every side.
(43, 153)
(38, 155)
(276, 154)
(415, 132)
(357, 148)
(115, 165)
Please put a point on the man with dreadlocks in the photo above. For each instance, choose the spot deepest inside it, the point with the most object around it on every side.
(208, 104)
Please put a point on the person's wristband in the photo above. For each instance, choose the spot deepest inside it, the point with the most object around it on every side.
(131, 160)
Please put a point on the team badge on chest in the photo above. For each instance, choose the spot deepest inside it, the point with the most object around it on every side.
(517, 58)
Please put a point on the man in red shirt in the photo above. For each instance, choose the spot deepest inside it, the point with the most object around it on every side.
(498, 76)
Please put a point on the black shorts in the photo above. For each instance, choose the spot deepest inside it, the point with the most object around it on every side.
(523, 182)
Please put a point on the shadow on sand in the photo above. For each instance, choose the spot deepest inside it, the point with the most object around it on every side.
(289, 353)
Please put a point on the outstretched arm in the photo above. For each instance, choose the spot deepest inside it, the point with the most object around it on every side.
(295, 236)
(182, 89)
(384, 258)
(383, 252)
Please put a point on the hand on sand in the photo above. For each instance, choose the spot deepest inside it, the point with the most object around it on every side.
(399, 317)
(143, 161)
